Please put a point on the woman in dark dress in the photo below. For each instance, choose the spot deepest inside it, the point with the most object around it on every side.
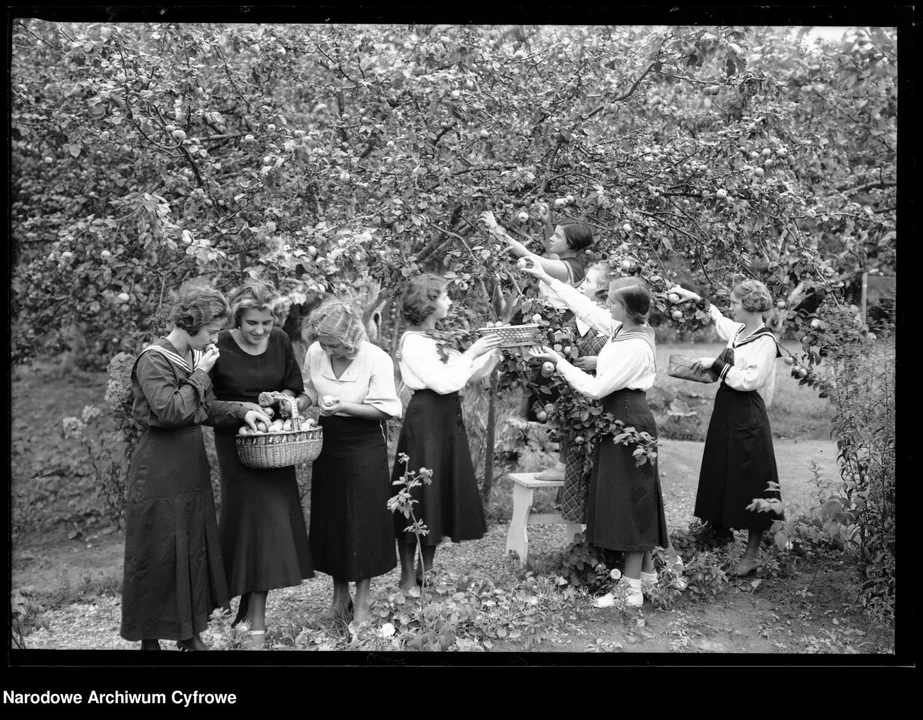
(433, 433)
(739, 464)
(264, 540)
(173, 574)
(352, 381)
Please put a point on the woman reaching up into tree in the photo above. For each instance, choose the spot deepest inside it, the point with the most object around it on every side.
(564, 260)
(174, 575)
(433, 433)
(739, 464)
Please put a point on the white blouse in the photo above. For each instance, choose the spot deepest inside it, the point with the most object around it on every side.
(368, 379)
(587, 311)
(754, 358)
(423, 368)
(628, 361)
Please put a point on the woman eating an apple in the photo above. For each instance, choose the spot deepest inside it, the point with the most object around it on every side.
(739, 463)
(625, 510)
(264, 540)
(352, 381)
(174, 577)
(433, 433)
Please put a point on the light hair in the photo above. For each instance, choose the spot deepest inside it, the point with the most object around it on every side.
(753, 295)
(335, 318)
(256, 295)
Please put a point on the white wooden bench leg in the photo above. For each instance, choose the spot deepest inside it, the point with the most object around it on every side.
(517, 539)
(571, 530)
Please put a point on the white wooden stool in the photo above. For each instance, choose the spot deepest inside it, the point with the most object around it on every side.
(517, 539)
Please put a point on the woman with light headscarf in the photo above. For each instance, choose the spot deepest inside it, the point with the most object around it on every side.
(352, 381)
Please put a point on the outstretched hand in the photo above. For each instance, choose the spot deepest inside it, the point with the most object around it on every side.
(487, 217)
(545, 354)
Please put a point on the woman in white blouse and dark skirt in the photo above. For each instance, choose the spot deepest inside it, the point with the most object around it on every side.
(625, 511)
(352, 381)
(433, 434)
(739, 463)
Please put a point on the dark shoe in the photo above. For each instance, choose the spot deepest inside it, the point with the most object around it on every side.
(150, 645)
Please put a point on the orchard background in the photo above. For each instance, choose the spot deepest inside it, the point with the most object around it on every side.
(344, 159)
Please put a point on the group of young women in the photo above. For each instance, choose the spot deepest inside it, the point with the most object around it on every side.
(182, 562)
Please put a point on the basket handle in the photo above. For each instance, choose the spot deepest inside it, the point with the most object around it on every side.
(293, 404)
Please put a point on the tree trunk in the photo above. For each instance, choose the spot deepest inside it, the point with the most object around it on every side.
(491, 431)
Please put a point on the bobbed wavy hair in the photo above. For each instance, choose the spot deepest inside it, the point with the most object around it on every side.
(196, 306)
(604, 269)
(335, 318)
(256, 295)
(419, 299)
(633, 295)
(753, 295)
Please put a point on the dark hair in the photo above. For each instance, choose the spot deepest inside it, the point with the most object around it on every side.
(634, 297)
(255, 295)
(419, 299)
(197, 306)
(578, 235)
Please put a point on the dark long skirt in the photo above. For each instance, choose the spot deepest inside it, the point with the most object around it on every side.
(173, 576)
(433, 435)
(351, 527)
(264, 540)
(625, 510)
(738, 463)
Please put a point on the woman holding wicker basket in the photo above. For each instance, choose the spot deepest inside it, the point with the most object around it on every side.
(264, 540)
(352, 381)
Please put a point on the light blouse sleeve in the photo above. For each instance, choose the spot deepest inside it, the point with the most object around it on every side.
(597, 317)
(310, 361)
(726, 327)
(752, 369)
(484, 365)
(382, 391)
(421, 356)
(616, 368)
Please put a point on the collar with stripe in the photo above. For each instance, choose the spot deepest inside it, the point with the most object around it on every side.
(175, 357)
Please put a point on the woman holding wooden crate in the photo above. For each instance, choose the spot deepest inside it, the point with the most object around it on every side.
(264, 540)
(352, 381)
(433, 434)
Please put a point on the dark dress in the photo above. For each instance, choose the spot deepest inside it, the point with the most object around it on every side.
(173, 574)
(625, 510)
(351, 536)
(264, 539)
(738, 462)
(576, 491)
(433, 436)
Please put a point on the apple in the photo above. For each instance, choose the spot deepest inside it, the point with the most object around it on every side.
(579, 439)
(271, 127)
(484, 133)
(547, 369)
(802, 372)
(390, 143)
(537, 319)
(105, 254)
(249, 139)
(560, 202)
(523, 216)
(871, 337)
(721, 194)
(67, 255)
(789, 360)
(781, 304)
(759, 172)
(767, 152)
(523, 263)
(677, 314)
(49, 159)
(673, 298)
(558, 347)
(455, 94)
(679, 89)
(124, 297)
(568, 350)
(541, 416)
(170, 128)
(570, 199)
(625, 265)
(344, 176)
(327, 400)
(626, 227)
(178, 135)
(769, 163)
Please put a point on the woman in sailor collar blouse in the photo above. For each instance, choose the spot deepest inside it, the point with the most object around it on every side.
(625, 510)
(738, 463)
(352, 381)
(173, 575)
